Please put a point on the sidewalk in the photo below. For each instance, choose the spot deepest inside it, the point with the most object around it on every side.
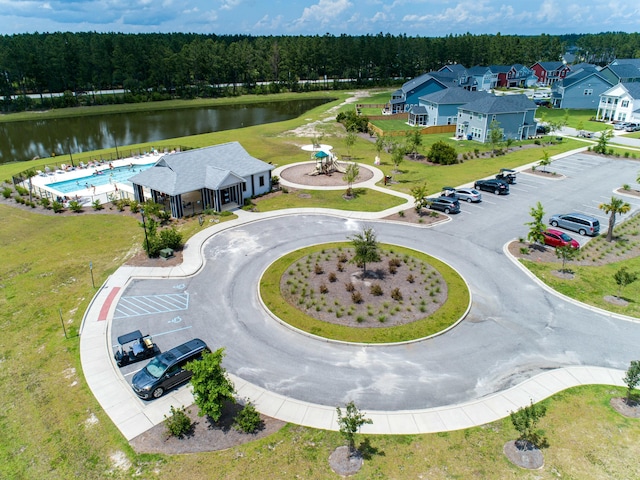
(133, 416)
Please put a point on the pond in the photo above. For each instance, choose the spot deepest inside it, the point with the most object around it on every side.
(21, 141)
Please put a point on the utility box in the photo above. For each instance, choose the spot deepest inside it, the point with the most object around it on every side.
(166, 252)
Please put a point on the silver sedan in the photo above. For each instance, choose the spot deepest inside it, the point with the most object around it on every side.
(469, 194)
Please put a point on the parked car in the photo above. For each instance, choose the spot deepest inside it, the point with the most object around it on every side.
(469, 194)
(167, 370)
(632, 127)
(585, 134)
(542, 129)
(620, 125)
(556, 238)
(507, 175)
(499, 187)
(444, 204)
(576, 222)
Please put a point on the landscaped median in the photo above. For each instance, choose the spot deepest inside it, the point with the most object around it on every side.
(417, 295)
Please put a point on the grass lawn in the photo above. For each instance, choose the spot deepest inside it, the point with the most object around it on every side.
(365, 200)
(53, 428)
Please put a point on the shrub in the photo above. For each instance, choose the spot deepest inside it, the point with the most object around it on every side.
(332, 277)
(626, 186)
(19, 200)
(395, 262)
(342, 258)
(393, 269)
(524, 250)
(22, 191)
(443, 153)
(376, 290)
(340, 267)
(6, 192)
(75, 206)
(178, 423)
(57, 207)
(324, 288)
(318, 269)
(45, 202)
(248, 419)
(170, 238)
(356, 297)
(350, 287)
(396, 294)
(97, 205)
(410, 278)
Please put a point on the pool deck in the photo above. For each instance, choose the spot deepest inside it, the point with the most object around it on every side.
(86, 196)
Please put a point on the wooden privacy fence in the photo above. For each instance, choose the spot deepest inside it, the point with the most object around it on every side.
(401, 133)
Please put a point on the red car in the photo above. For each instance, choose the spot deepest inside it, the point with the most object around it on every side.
(556, 238)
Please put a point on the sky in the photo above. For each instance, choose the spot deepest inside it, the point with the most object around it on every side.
(425, 18)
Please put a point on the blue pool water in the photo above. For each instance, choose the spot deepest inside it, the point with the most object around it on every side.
(114, 175)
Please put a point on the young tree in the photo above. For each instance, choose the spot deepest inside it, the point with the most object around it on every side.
(496, 134)
(211, 386)
(366, 247)
(350, 175)
(536, 226)
(30, 174)
(397, 155)
(614, 207)
(350, 424)
(525, 421)
(632, 378)
(546, 161)
(419, 193)
(380, 143)
(603, 141)
(624, 277)
(350, 140)
(414, 141)
(566, 253)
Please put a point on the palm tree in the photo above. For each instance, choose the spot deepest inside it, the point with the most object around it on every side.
(615, 206)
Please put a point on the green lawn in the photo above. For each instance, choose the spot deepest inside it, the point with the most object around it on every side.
(365, 200)
(53, 428)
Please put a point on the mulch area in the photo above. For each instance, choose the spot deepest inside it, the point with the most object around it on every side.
(299, 174)
(205, 435)
(527, 456)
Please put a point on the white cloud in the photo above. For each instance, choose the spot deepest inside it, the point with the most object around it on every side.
(230, 4)
(323, 12)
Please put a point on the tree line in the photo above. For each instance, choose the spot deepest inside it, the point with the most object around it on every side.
(185, 65)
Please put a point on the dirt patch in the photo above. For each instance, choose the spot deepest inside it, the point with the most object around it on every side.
(395, 291)
(299, 174)
(620, 405)
(205, 436)
(527, 456)
(426, 217)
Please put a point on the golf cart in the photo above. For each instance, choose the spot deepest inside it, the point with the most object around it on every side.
(141, 348)
(507, 175)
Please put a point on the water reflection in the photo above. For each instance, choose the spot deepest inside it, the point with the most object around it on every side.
(40, 138)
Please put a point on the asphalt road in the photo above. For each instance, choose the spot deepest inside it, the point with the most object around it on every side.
(513, 331)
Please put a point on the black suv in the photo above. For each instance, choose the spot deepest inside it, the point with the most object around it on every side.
(167, 370)
(444, 204)
(499, 187)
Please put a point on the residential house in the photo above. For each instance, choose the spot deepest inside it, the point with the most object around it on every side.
(620, 103)
(516, 75)
(580, 89)
(514, 114)
(548, 73)
(480, 78)
(407, 96)
(625, 70)
(441, 108)
(218, 177)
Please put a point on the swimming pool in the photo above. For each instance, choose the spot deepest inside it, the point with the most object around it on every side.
(109, 175)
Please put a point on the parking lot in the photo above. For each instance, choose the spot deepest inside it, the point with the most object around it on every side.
(514, 330)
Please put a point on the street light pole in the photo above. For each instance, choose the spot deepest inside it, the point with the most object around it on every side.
(146, 239)
(116, 143)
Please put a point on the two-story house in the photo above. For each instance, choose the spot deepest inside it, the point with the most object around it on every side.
(581, 89)
(625, 70)
(408, 95)
(441, 108)
(620, 103)
(548, 73)
(514, 114)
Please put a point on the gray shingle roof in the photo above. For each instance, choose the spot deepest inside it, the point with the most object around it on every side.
(580, 75)
(625, 70)
(492, 104)
(551, 66)
(451, 96)
(633, 88)
(210, 167)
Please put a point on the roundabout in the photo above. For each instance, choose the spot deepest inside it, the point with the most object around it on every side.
(517, 343)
